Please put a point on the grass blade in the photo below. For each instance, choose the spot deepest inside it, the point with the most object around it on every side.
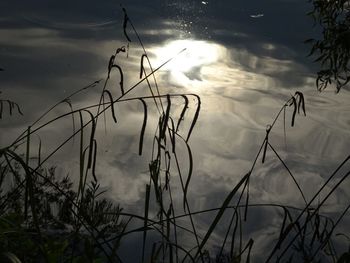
(92, 137)
(288, 170)
(165, 120)
(121, 83)
(10, 257)
(182, 112)
(195, 118)
(94, 160)
(39, 153)
(141, 66)
(142, 133)
(294, 103)
(110, 65)
(145, 222)
(81, 155)
(28, 176)
(172, 134)
(190, 169)
(112, 104)
(301, 102)
(221, 212)
(125, 23)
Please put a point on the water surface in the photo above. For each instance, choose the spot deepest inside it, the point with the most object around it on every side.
(243, 58)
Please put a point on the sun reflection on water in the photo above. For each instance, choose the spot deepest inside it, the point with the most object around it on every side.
(186, 68)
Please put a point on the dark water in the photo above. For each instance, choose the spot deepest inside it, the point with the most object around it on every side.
(244, 58)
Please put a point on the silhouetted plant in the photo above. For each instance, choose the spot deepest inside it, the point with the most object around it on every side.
(46, 219)
(333, 49)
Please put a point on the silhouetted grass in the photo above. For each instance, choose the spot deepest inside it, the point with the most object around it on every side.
(45, 219)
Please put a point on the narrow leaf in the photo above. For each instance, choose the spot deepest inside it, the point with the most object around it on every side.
(28, 175)
(112, 104)
(11, 257)
(18, 109)
(39, 153)
(145, 222)
(221, 212)
(121, 83)
(92, 136)
(1, 108)
(294, 103)
(94, 160)
(172, 135)
(10, 106)
(67, 100)
(182, 112)
(268, 129)
(166, 118)
(81, 154)
(195, 118)
(142, 133)
(141, 66)
(126, 19)
(190, 169)
(301, 102)
(110, 65)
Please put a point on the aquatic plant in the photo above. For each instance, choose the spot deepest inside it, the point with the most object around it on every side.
(45, 218)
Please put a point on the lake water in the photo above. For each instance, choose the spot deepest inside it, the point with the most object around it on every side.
(243, 58)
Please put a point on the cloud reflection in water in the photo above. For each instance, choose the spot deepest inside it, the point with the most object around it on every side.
(242, 77)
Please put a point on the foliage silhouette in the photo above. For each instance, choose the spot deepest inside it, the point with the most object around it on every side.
(46, 219)
(333, 49)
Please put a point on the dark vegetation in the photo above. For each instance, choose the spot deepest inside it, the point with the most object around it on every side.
(44, 218)
(333, 48)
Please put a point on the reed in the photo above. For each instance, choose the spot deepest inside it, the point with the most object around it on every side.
(47, 219)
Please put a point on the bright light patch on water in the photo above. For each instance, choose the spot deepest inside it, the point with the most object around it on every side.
(186, 67)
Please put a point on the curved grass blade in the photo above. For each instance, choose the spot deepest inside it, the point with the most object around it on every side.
(166, 118)
(284, 127)
(234, 217)
(249, 247)
(112, 104)
(67, 100)
(10, 106)
(142, 133)
(145, 222)
(94, 160)
(182, 115)
(1, 108)
(92, 137)
(28, 175)
(221, 212)
(125, 23)
(12, 258)
(110, 65)
(288, 170)
(301, 102)
(268, 129)
(283, 227)
(319, 205)
(29, 188)
(167, 169)
(141, 66)
(172, 134)
(121, 83)
(294, 103)
(190, 169)
(195, 118)
(81, 155)
(120, 49)
(39, 153)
